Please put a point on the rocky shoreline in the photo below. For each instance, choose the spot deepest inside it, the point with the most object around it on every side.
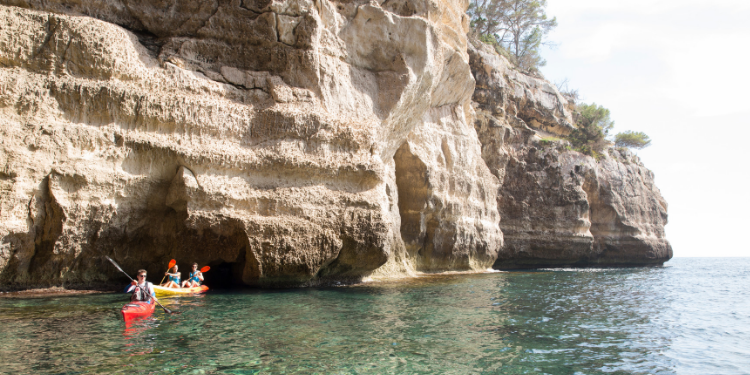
(51, 292)
(292, 143)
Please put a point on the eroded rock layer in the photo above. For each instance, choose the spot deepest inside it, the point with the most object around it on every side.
(268, 139)
(560, 207)
(291, 142)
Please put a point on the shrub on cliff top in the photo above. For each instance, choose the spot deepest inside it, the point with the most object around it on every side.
(517, 26)
(594, 125)
(567, 92)
(629, 138)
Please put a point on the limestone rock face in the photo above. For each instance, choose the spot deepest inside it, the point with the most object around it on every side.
(516, 98)
(273, 140)
(628, 214)
(560, 207)
(291, 142)
(449, 218)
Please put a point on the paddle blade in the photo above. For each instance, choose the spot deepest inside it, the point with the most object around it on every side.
(114, 264)
(205, 269)
(118, 267)
(172, 263)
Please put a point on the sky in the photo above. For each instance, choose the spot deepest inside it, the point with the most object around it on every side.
(680, 72)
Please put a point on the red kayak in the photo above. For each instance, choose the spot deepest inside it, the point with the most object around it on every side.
(138, 309)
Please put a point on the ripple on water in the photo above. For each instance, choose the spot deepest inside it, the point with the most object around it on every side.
(690, 317)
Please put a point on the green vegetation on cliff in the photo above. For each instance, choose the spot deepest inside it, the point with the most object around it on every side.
(516, 28)
(594, 125)
(632, 139)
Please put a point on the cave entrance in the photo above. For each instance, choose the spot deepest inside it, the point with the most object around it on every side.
(225, 275)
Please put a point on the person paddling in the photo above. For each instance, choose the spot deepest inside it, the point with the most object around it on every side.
(174, 278)
(138, 288)
(195, 278)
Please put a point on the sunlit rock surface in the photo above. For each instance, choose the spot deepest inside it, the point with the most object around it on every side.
(291, 143)
(560, 207)
(271, 140)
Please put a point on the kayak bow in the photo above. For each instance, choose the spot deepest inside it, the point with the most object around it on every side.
(136, 309)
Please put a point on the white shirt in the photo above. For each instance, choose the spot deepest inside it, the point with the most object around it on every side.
(145, 286)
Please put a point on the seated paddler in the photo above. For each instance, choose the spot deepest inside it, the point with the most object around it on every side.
(174, 278)
(195, 278)
(142, 289)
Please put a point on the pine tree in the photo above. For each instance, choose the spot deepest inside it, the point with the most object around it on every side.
(632, 139)
(518, 26)
(594, 124)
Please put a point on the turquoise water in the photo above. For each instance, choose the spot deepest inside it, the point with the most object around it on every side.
(691, 316)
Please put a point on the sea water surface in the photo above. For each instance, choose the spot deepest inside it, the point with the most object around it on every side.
(691, 316)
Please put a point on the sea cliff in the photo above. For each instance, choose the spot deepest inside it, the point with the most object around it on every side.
(291, 143)
(560, 207)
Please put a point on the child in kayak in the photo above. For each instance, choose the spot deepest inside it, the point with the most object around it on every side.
(138, 288)
(174, 278)
(195, 278)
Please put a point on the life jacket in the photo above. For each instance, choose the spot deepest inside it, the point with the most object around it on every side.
(138, 293)
(194, 277)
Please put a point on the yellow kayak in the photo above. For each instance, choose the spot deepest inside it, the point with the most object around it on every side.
(162, 291)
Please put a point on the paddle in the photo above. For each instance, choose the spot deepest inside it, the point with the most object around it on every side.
(166, 310)
(171, 264)
(202, 270)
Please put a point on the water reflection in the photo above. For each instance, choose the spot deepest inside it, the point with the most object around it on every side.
(137, 327)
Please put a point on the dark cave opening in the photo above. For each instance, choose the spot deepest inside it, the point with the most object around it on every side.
(225, 275)
(219, 276)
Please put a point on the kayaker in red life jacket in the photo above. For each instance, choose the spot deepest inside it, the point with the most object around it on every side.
(143, 285)
(194, 279)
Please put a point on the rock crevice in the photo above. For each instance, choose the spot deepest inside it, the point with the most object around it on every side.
(289, 143)
(258, 137)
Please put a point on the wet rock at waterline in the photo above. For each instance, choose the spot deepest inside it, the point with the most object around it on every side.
(280, 142)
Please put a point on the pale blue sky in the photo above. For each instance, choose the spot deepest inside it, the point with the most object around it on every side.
(679, 71)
